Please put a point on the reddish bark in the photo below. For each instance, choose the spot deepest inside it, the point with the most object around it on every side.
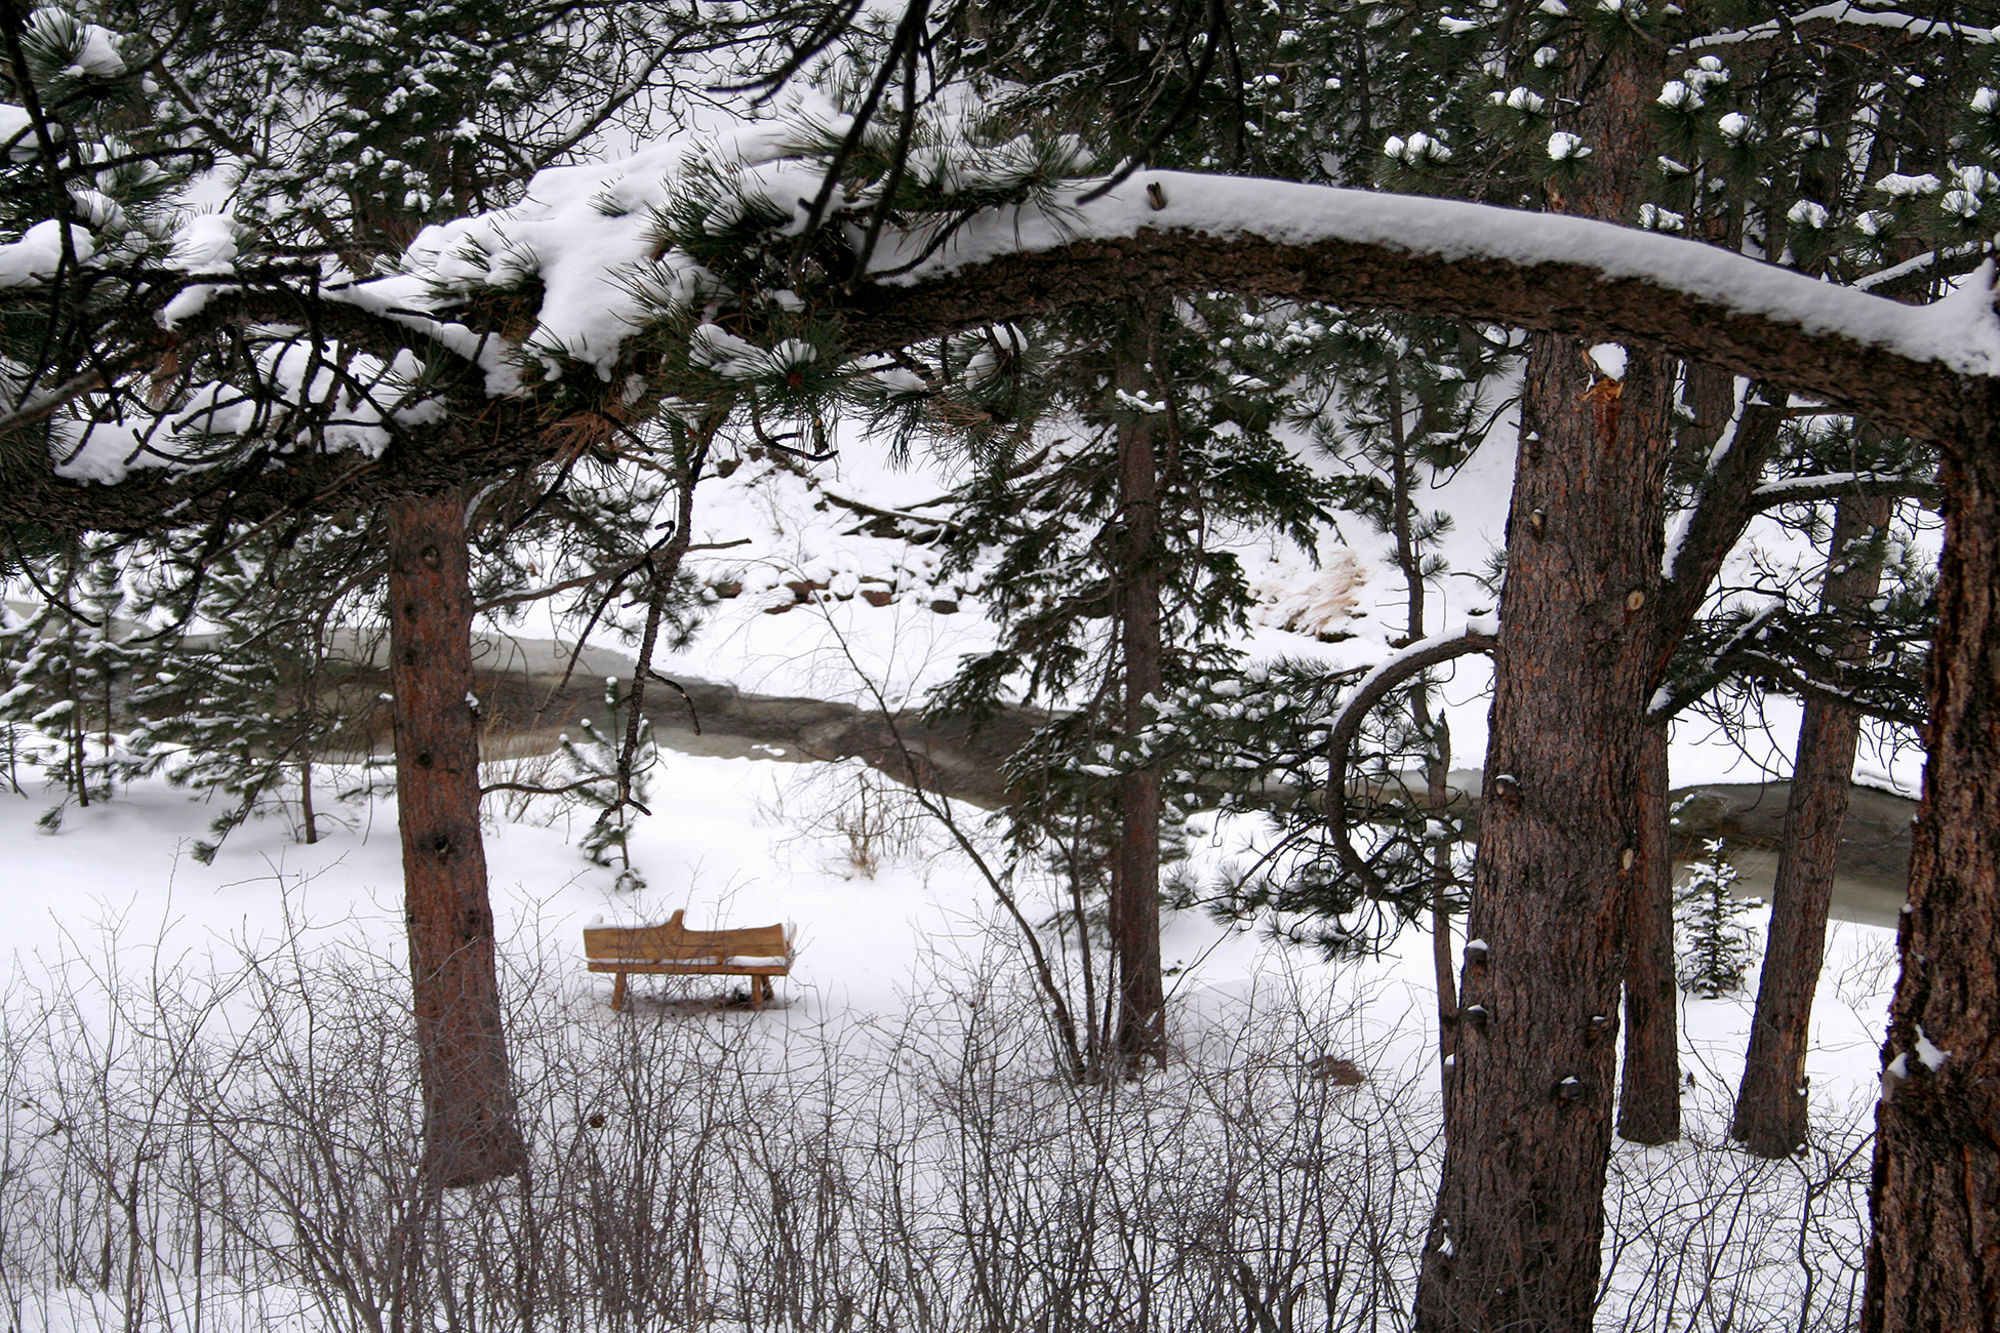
(1135, 886)
(1934, 1257)
(1649, 1094)
(1528, 1106)
(471, 1131)
(1770, 1116)
(1515, 1241)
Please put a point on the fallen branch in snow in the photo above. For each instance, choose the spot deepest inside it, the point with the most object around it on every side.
(877, 514)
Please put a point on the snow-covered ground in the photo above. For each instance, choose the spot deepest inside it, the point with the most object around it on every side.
(895, 928)
(900, 939)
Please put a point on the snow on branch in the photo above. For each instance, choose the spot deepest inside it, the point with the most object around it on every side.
(586, 291)
(1833, 485)
(1905, 367)
(1848, 20)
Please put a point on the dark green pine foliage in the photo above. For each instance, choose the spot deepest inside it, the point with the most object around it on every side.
(248, 710)
(1715, 947)
(88, 171)
(70, 664)
(359, 123)
(1040, 529)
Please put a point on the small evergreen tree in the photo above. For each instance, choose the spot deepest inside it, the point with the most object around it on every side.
(253, 705)
(611, 788)
(67, 668)
(1715, 946)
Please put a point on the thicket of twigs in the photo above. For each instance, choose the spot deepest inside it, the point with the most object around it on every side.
(209, 1145)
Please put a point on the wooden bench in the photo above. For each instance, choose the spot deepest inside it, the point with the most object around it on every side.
(758, 952)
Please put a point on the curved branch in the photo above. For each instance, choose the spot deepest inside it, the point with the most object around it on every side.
(1376, 686)
(1918, 370)
(1931, 372)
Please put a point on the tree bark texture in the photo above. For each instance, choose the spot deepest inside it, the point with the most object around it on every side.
(471, 1131)
(1135, 902)
(1770, 1115)
(1649, 1094)
(1528, 1106)
(1934, 1257)
(1515, 1241)
(1649, 1090)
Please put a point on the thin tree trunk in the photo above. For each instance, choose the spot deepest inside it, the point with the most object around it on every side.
(1770, 1117)
(1515, 1241)
(1649, 1094)
(471, 1131)
(1135, 884)
(1934, 1257)
(306, 814)
(1437, 768)
(1649, 1100)
(1444, 968)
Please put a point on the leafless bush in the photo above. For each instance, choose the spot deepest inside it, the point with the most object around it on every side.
(518, 787)
(1706, 1238)
(863, 816)
(216, 1146)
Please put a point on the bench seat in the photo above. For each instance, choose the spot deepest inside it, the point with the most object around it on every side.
(672, 949)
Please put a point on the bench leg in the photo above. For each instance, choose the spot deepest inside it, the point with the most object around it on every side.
(618, 993)
(769, 993)
(756, 992)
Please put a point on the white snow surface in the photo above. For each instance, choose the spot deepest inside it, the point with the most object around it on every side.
(1960, 331)
(33, 259)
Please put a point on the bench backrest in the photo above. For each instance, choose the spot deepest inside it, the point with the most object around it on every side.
(673, 942)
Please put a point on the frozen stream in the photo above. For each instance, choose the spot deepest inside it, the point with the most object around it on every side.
(1875, 849)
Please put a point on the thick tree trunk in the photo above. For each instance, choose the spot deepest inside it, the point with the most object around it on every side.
(471, 1132)
(1528, 1107)
(1135, 885)
(1649, 1094)
(1770, 1116)
(1934, 1257)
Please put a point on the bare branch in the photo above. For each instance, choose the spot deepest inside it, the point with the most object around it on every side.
(1376, 686)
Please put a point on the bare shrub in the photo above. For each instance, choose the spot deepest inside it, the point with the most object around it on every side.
(863, 816)
(233, 1145)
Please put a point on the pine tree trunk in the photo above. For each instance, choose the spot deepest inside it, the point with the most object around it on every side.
(1437, 769)
(306, 814)
(1528, 1106)
(1934, 1257)
(1135, 884)
(1770, 1116)
(1443, 972)
(471, 1132)
(1514, 1244)
(1649, 1095)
